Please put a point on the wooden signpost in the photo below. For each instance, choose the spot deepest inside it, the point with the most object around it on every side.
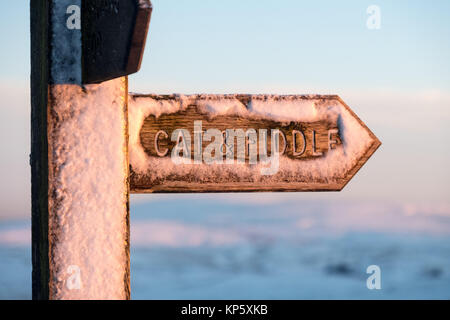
(81, 53)
(93, 143)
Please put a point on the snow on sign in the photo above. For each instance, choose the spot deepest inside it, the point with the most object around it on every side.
(232, 143)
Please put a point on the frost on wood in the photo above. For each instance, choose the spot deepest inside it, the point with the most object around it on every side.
(333, 168)
(88, 191)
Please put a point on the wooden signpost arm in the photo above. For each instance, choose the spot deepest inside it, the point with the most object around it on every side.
(322, 143)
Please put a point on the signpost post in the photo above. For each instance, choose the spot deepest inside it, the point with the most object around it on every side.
(87, 133)
(79, 156)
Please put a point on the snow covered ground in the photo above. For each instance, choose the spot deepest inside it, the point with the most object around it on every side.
(256, 247)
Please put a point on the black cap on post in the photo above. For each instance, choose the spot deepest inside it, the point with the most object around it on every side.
(114, 33)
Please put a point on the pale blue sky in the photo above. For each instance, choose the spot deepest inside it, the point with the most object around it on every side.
(397, 79)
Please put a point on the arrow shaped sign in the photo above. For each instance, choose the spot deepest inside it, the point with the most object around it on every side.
(244, 143)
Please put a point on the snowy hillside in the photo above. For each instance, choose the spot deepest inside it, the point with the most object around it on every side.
(224, 249)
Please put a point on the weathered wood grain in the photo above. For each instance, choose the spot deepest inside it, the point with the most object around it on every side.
(185, 119)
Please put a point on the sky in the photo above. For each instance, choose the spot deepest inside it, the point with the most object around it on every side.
(396, 79)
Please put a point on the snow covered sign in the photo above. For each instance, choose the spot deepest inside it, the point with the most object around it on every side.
(243, 143)
(92, 142)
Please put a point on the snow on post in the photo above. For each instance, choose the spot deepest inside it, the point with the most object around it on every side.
(88, 204)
